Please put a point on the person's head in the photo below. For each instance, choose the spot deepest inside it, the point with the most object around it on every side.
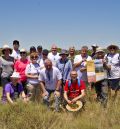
(48, 64)
(6, 50)
(23, 53)
(84, 51)
(100, 53)
(73, 75)
(15, 77)
(54, 49)
(16, 44)
(64, 54)
(32, 49)
(72, 51)
(34, 57)
(112, 48)
(39, 49)
(45, 54)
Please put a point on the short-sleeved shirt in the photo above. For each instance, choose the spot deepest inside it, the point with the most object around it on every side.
(50, 78)
(74, 89)
(53, 58)
(7, 66)
(33, 69)
(82, 75)
(10, 88)
(16, 54)
(114, 62)
(65, 66)
(20, 67)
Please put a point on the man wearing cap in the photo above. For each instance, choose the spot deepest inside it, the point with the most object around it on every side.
(64, 65)
(54, 55)
(50, 82)
(113, 67)
(13, 90)
(94, 47)
(16, 51)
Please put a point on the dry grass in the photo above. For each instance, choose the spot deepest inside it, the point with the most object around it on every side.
(37, 116)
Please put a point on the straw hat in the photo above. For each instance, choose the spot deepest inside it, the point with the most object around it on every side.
(15, 75)
(99, 49)
(6, 47)
(74, 109)
(112, 45)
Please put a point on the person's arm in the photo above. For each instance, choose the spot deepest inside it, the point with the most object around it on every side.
(80, 96)
(8, 98)
(58, 85)
(23, 96)
(66, 97)
(30, 75)
(43, 89)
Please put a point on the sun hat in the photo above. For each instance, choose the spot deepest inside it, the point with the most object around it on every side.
(99, 49)
(112, 45)
(15, 75)
(94, 45)
(63, 51)
(72, 108)
(6, 47)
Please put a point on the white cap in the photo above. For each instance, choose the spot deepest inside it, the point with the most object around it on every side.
(23, 50)
(94, 45)
(15, 75)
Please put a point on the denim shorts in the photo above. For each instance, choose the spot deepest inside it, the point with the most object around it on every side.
(114, 84)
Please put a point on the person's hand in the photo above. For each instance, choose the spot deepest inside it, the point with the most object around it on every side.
(35, 76)
(74, 100)
(45, 93)
(82, 69)
(69, 101)
(57, 93)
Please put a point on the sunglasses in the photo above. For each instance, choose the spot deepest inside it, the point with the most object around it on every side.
(22, 52)
(44, 54)
(112, 47)
(34, 57)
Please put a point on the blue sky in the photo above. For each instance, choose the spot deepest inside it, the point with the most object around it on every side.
(62, 22)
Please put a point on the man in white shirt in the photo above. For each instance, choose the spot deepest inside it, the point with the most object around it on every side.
(80, 63)
(54, 55)
(50, 82)
(16, 51)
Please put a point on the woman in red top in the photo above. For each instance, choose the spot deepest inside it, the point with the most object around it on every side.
(20, 66)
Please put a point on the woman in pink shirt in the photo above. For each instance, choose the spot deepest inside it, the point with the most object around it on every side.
(20, 66)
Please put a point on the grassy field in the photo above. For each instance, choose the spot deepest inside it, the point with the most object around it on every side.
(36, 116)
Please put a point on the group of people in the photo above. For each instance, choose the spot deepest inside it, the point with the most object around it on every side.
(40, 73)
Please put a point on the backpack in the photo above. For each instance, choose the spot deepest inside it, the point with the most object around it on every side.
(69, 83)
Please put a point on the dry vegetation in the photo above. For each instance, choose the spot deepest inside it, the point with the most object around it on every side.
(36, 116)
